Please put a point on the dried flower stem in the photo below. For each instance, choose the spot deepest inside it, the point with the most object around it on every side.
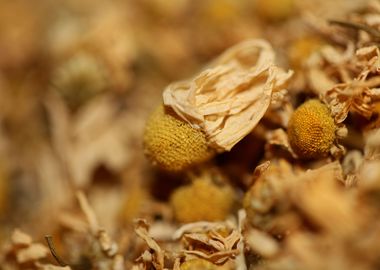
(357, 26)
(59, 260)
(49, 240)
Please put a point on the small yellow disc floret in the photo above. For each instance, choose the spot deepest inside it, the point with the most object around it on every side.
(198, 264)
(173, 144)
(275, 10)
(301, 49)
(202, 200)
(311, 130)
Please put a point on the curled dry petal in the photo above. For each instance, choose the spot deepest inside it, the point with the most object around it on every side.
(216, 242)
(228, 99)
(155, 255)
(345, 80)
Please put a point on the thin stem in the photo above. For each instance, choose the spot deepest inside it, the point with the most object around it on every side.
(357, 26)
(49, 241)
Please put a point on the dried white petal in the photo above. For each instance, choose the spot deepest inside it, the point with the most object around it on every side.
(228, 99)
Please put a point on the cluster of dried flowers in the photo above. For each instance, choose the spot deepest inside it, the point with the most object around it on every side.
(266, 158)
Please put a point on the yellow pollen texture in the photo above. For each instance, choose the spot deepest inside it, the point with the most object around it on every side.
(173, 144)
(198, 264)
(202, 200)
(311, 130)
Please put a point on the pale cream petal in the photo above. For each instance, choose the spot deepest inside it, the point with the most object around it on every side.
(229, 97)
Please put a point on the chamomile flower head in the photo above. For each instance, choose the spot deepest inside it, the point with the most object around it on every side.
(312, 130)
(173, 144)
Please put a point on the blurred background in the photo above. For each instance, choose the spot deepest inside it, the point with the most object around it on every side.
(78, 79)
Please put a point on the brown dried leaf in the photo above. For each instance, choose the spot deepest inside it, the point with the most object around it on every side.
(229, 98)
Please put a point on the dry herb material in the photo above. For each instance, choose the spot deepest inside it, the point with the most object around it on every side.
(202, 200)
(275, 10)
(173, 144)
(198, 264)
(79, 79)
(311, 130)
(270, 186)
(301, 49)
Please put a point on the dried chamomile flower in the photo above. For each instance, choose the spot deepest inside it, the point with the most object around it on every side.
(216, 242)
(173, 144)
(198, 264)
(228, 99)
(277, 201)
(79, 79)
(201, 200)
(311, 130)
(301, 49)
(266, 201)
(275, 10)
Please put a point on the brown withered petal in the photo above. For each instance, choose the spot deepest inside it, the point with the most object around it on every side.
(231, 95)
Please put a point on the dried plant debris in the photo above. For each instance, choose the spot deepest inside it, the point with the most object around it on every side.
(193, 202)
(205, 244)
(228, 98)
(154, 257)
(24, 253)
(215, 242)
(267, 157)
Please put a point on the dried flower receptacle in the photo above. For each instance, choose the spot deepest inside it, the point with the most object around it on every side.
(311, 130)
(202, 200)
(172, 144)
(275, 10)
(301, 49)
(198, 264)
